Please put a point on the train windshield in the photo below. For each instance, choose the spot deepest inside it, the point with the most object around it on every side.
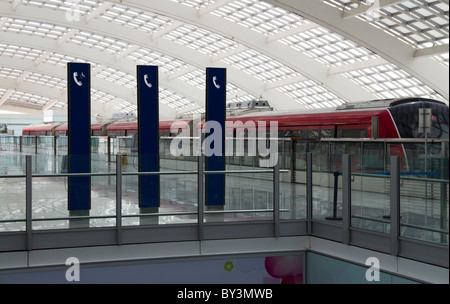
(406, 117)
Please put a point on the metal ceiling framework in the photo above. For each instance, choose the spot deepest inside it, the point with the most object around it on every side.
(295, 54)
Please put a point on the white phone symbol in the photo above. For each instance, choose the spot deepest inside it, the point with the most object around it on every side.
(215, 84)
(75, 75)
(146, 81)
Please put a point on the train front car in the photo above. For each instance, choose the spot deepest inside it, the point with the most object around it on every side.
(422, 158)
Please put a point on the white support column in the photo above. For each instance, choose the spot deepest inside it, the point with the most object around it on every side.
(6, 96)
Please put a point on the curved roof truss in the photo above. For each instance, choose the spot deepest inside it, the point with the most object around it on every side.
(296, 54)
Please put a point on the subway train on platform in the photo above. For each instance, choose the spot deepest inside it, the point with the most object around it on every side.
(379, 119)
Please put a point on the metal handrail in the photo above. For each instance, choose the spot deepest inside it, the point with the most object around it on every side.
(421, 179)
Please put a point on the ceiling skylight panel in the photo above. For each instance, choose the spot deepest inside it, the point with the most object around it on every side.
(412, 21)
(118, 77)
(259, 16)
(84, 6)
(260, 66)
(25, 98)
(201, 40)
(108, 44)
(61, 59)
(135, 18)
(20, 52)
(195, 3)
(102, 97)
(443, 59)
(34, 28)
(388, 81)
(174, 100)
(195, 78)
(47, 80)
(10, 73)
(146, 56)
(311, 94)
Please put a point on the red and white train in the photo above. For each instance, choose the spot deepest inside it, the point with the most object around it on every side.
(382, 119)
(393, 118)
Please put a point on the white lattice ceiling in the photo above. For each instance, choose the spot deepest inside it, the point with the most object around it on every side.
(295, 54)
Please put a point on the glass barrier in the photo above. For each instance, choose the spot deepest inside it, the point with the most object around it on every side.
(248, 197)
(327, 188)
(424, 202)
(12, 198)
(62, 145)
(370, 193)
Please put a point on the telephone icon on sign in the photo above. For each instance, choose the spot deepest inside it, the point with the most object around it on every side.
(75, 77)
(215, 83)
(146, 81)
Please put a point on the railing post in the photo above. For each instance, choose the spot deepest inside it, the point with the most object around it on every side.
(395, 204)
(346, 197)
(309, 204)
(200, 193)
(28, 202)
(276, 198)
(119, 198)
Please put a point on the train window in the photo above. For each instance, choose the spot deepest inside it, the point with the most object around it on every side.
(314, 134)
(352, 133)
(327, 133)
(286, 133)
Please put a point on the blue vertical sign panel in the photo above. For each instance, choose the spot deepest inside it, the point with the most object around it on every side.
(216, 90)
(79, 134)
(148, 135)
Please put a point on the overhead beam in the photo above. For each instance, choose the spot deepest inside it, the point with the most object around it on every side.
(293, 31)
(229, 53)
(166, 30)
(16, 3)
(45, 55)
(213, 6)
(181, 72)
(67, 36)
(287, 81)
(432, 51)
(50, 104)
(104, 6)
(375, 6)
(22, 77)
(356, 66)
(6, 96)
